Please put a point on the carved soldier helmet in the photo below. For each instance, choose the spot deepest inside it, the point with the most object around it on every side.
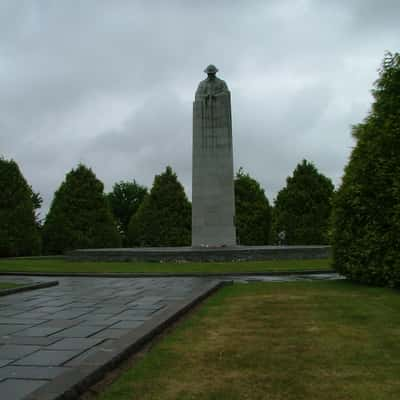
(211, 69)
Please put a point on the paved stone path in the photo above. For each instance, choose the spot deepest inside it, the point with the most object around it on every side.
(46, 332)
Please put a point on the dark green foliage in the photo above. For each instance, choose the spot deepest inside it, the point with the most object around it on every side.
(253, 213)
(302, 209)
(164, 217)
(366, 218)
(79, 215)
(19, 235)
(125, 199)
(37, 201)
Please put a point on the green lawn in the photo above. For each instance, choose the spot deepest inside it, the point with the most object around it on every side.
(301, 340)
(61, 265)
(8, 285)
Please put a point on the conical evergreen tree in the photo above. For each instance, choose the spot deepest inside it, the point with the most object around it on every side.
(79, 215)
(19, 235)
(164, 217)
(366, 217)
(253, 212)
(303, 208)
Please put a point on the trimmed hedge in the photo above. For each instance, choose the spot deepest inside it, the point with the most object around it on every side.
(366, 218)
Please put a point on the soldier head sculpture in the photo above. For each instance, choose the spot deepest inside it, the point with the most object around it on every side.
(211, 71)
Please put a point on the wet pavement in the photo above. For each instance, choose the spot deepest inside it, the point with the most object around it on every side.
(46, 332)
(286, 278)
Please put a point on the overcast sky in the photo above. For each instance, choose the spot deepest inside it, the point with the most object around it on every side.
(111, 83)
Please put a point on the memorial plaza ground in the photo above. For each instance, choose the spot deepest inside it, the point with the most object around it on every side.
(289, 337)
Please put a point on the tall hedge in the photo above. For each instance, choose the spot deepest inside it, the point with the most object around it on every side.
(19, 235)
(164, 217)
(303, 208)
(253, 212)
(366, 218)
(79, 215)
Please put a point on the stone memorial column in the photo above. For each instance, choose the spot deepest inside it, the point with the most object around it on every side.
(213, 203)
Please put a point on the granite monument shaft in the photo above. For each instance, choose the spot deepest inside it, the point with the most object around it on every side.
(213, 204)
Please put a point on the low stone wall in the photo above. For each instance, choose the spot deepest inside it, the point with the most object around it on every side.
(184, 254)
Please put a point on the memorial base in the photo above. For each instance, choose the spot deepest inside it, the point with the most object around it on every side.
(202, 254)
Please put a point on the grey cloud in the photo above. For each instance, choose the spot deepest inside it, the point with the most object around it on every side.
(111, 83)
(145, 144)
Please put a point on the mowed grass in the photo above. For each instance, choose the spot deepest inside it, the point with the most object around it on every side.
(58, 265)
(8, 285)
(301, 340)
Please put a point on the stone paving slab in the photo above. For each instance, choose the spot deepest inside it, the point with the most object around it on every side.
(79, 331)
(16, 389)
(50, 358)
(74, 344)
(31, 340)
(39, 331)
(111, 333)
(76, 361)
(15, 351)
(48, 337)
(28, 372)
(5, 362)
(7, 329)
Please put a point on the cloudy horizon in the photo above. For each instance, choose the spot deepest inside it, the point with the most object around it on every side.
(111, 84)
